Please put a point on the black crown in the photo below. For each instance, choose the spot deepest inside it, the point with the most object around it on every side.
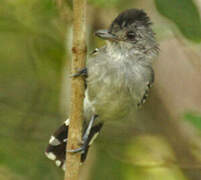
(130, 16)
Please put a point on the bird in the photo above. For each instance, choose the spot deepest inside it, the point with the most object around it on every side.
(119, 76)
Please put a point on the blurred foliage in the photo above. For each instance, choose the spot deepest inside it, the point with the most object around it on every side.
(31, 56)
(105, 3)
(6, 174)
(184, 14)
(151, 158)
(145, 157)
(107, 167)
(193, 118)
(113, 4)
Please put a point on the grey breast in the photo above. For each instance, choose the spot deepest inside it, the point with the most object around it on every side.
(108, 92)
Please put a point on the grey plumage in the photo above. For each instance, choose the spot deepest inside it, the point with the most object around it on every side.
(120, 73)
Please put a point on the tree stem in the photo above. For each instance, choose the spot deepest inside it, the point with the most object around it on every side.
(77, 90)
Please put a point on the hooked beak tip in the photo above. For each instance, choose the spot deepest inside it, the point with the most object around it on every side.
(104, 34)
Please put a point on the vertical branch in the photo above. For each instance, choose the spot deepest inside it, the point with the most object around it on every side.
(77, 90)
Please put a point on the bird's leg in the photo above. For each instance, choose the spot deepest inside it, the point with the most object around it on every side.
(83, 72)
(85, 139)
(95, 130)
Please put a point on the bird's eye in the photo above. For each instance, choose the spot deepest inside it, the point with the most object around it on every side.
(131, 35)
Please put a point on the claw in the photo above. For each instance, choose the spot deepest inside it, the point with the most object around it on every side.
(82, 72)
(81, 149)
(85, 138)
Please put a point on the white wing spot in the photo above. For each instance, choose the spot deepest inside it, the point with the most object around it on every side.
(67, 122)
(54, 141)
(50, 156)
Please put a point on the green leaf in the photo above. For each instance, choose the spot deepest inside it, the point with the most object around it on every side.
(184, 14)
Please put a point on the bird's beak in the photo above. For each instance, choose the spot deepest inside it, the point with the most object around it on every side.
(104, 34)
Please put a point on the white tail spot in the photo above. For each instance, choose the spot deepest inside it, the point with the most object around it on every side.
(64, 166)
(54, 141)
(50, 156)
(58, 163)
(67, 122)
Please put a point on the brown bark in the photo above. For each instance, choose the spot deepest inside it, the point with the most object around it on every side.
(77, 89)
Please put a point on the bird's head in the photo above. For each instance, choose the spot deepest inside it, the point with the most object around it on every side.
(131, 28)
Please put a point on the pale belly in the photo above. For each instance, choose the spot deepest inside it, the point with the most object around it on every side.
(109, 102)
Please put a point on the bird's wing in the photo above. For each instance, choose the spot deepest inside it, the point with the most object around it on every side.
(139, 83)
(147, 86)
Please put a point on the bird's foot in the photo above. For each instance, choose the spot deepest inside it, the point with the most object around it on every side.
(83, 72)
(87, 137)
